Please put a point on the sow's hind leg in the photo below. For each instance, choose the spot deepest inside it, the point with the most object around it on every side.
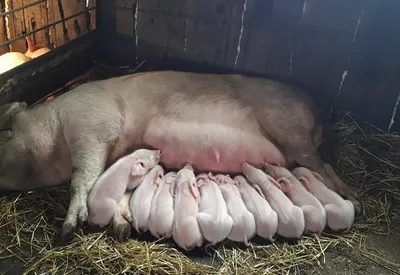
(293, 126)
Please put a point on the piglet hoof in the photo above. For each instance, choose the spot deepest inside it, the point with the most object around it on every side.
(122, 232)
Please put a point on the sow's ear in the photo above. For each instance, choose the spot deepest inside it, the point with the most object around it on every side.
(7, 111)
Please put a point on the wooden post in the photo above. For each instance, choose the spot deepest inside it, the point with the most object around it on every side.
(3, 30)
(37, 17)
(16, 25)
(77, 25)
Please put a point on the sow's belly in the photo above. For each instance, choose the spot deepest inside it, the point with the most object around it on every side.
(210, 146)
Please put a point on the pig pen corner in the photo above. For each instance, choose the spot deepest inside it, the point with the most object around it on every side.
(341, 52)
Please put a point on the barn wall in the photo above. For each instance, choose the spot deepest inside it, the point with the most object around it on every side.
(68, 28)
(348, 51)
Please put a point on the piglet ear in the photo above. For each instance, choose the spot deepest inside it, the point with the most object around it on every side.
(274, 182)
(157, 178)
(195, 191)
(200, 183)
(285, 185)
(172, 188)
(137, 168)
(305, 183)
(258, 189)
(318, 176)
(212, 177)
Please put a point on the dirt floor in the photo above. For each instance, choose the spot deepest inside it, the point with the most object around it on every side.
(363, 156)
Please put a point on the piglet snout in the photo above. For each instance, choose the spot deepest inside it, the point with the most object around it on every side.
(188, 166)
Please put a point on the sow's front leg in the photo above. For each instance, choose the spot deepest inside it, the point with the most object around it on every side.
(88, 161)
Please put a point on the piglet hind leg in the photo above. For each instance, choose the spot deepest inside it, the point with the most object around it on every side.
(122, 219)
(87, 163)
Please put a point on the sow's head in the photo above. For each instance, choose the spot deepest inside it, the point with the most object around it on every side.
(15, 160)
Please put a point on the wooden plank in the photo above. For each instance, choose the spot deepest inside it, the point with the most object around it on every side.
(176, 25)
(125, 21)
(16, 25)
(37, 17)
(200, 34)
(152, 35)
(233, 33)
(92, 14)
(372, 84)
(3, 30)
(57, 37)
(225, 11)
(77, 25)
(326, 33)
(271, 34)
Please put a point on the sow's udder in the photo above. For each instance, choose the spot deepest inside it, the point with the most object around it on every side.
(211, 146)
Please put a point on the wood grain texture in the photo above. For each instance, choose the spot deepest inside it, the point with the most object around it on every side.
(3, 29)
(37, 17)
(16, 25)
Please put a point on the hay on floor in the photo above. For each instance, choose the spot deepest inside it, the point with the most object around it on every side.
(30, 224)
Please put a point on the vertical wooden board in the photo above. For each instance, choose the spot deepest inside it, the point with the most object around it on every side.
(322, 49)
(3, 30)
(15, 23)
(125, 21)
(127, 4)
(271, 35)
(372, 83)
(92, 13)
(233, 35)
(224, 10)
(281, 35)
(253, 48)
(77, 25)
(36, 17)
(201, 31)
(152, 35)
(176, 25)
(56, 32)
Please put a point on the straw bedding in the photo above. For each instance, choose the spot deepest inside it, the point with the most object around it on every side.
(366, 158)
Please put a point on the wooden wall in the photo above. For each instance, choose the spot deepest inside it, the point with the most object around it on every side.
(348, 50)
(38, 16)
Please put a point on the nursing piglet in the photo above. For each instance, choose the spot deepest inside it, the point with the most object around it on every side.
(161, 216)
(108, 190)
(290, 217)
(265, 217)
(314, 212)
(244, 224)
(186, 231)
(339, 212)
(140, 203)
(213, 218)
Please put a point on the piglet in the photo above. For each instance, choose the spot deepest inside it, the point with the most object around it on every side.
(339, 212)
(244, 224)
(265, 217)
(122, 219)
(108, 190)
(185, 230)
(161, 216)
(314, 212)
(33, 51)
(11, 60)
(290, 217)
(213, 218)
(140, 203)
